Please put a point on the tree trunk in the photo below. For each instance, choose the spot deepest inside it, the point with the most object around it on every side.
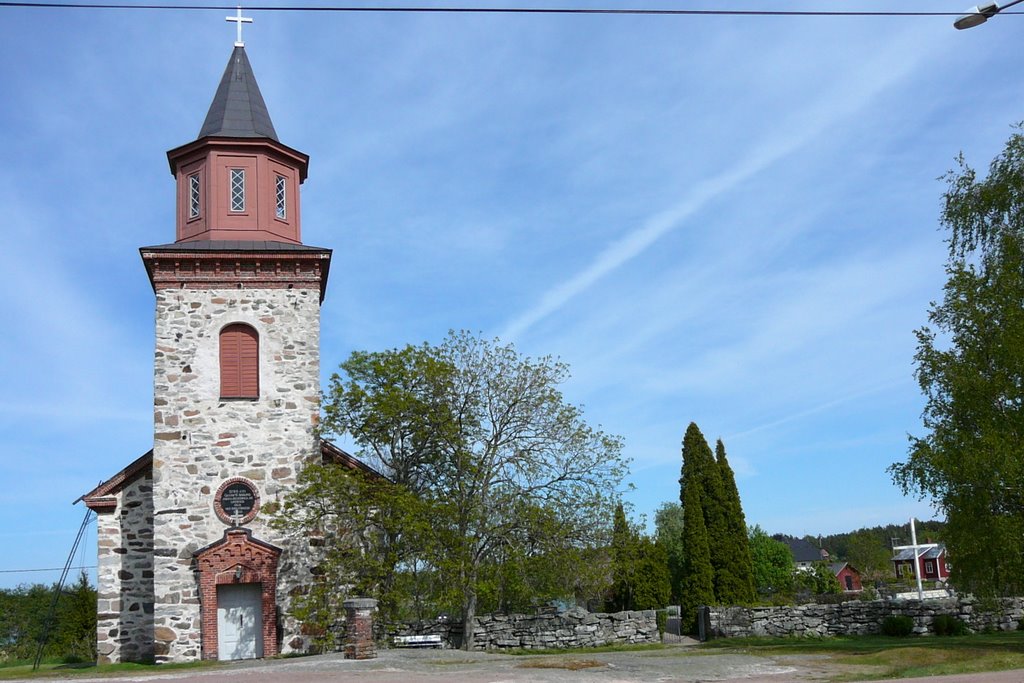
(468, 615)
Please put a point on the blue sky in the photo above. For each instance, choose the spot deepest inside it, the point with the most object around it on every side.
(727, 220)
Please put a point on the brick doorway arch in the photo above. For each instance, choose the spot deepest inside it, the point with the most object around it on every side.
(237, 558)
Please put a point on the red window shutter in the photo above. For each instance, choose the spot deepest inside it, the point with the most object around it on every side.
(239, 362)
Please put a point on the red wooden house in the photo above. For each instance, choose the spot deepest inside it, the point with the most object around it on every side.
(932, 563)
(848, 577)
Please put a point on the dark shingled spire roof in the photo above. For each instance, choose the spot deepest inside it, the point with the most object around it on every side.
(238, 110)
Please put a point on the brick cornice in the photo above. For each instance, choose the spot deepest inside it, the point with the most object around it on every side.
(237, 269)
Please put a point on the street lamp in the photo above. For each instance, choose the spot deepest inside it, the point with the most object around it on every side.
(981, 14)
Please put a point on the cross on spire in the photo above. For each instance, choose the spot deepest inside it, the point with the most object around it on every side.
(239, 20)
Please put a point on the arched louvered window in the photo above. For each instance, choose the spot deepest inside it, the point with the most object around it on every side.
(239, 362)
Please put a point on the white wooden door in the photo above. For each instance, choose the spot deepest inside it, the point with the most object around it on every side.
(240, 621)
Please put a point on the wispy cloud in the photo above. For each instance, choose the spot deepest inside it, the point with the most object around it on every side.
(814, 410)
(854, 92)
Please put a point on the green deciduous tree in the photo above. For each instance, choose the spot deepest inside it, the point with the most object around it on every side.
(640, 573)
(393, 404)
(869, 554)
(819, 580)
(518, 443)
(369, 530)
(970, 366)
(772, 563)
(75, 632)
(505, 469)
(72, 634)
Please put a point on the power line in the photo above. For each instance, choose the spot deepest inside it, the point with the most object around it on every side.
(490, 10)
(47, 569)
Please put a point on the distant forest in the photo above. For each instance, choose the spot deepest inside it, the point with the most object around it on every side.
(870, 550)
(839, 545)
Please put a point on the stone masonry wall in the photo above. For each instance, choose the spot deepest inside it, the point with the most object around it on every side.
(124, 573)
(571, 629)
(202, 441)
(859, 617)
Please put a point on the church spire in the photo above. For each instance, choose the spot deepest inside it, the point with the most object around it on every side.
(237, 181)
(238, 110)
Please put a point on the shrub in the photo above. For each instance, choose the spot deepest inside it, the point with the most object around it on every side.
(898, 625)
(662, 617)
(948, 625)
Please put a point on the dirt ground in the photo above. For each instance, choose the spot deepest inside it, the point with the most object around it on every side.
(678, 663)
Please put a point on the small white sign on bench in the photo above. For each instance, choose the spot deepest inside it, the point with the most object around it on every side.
(432, 640)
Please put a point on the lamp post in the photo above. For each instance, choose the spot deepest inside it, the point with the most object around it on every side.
(981, 14)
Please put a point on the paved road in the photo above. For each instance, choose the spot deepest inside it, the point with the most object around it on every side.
(677, 664)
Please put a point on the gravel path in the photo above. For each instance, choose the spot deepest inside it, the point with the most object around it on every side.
(670, 665)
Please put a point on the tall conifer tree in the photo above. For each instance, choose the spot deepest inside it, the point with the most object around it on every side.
(698, 578)
(697, 586)
(623, 557)
(737, 585)
(704, 470)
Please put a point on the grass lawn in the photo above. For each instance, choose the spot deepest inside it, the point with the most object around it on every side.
(56, 669)
(881, 657)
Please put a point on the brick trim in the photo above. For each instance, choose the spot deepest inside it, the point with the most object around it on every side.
(237, 270)
(222, 513)
(103, 499)
(237, 558)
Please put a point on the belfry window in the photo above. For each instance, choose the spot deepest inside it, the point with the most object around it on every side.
(193, 196)
(239, 362)
(238, 189)
(281, 197)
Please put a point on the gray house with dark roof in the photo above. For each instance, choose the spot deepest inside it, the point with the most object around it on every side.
(805, 553)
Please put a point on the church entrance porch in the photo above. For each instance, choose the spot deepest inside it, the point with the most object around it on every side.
(239, 620)
(238, 597)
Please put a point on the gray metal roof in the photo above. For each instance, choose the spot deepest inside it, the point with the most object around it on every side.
(238, 110)
(907, 554)
(234, 245)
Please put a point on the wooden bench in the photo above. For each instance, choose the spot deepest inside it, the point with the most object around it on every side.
(432, 640)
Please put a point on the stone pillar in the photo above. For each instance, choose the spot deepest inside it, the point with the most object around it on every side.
(359, 628)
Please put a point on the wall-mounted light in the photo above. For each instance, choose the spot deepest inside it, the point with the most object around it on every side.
(238, 573)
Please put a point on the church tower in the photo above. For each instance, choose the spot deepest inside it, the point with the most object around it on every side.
(189, 567)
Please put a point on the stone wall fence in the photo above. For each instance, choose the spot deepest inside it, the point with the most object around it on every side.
(569, 629)
(861, 617)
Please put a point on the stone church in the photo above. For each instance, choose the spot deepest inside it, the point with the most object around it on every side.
(188, 566)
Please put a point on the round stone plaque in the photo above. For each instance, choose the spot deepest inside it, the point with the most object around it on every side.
(237, 501)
